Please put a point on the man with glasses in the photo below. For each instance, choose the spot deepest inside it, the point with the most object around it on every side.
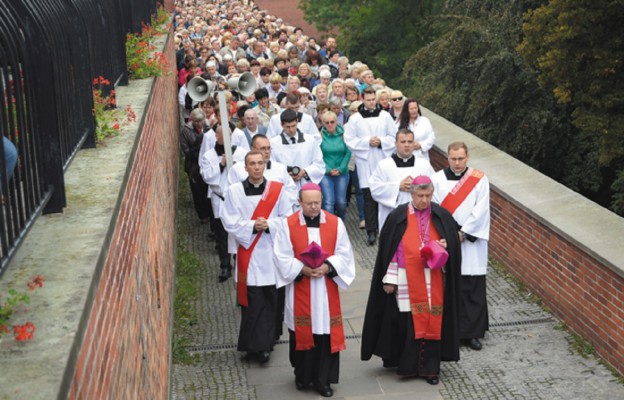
(273, 171)
(313, 313)
(465, 193)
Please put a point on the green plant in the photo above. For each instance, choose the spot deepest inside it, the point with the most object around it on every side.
(108, 119)
(7, 308)
(142, 60)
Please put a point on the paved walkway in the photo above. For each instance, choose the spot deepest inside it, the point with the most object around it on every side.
(525, 355)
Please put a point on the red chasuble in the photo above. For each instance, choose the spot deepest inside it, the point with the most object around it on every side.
(427, 319)
(461, 190)
(303, 308)
(243, 255)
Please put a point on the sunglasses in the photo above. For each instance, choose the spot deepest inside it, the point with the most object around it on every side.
(397, 99)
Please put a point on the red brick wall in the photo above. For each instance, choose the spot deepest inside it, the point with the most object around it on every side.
(127, 344)
(579, 288)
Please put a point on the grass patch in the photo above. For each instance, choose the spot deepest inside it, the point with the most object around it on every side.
(187, 275)
(185, 316)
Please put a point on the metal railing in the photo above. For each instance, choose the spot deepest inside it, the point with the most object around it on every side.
(50, 52)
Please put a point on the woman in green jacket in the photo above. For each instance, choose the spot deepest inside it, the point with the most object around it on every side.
(336, 156)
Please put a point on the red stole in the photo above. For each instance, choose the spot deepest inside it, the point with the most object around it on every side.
(243, 255)
(303, 308)
(427, 320)
(461, 190)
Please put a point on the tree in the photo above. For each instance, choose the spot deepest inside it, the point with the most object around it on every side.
(577, 47)
(380, 33)
(326, 14)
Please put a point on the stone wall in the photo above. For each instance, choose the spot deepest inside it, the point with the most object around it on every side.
(563, 247)
(125, 352)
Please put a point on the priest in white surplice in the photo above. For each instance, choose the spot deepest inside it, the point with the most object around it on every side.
(305, 123)
(465, 193)
(312, 313)
(252, 212)
(370, 136)
(212, 166)
(390, 184)
(300, 153)
(274, 171)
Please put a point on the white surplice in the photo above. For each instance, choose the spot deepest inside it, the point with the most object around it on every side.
(238, 139)
(385, 181)
(357, 134)
(238, 208)
(305, 154)
(288, 268)
(306, 125)
(209, 167)
(473, 215)
(423, 135)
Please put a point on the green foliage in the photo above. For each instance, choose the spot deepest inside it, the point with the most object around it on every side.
(326, 14)
(185, 315)
(578, 49)
(380, 33)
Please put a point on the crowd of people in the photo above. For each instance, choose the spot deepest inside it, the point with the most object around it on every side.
(318, 131)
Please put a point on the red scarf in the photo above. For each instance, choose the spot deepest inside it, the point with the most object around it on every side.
(461, 190)
(263, 209)
(303, 307)
(427, 319)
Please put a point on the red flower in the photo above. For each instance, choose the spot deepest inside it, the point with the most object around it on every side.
(116, 126)
(24, 332)
(34, 282)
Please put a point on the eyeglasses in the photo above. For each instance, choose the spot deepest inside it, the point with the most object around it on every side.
(397, 99)
(330, 122)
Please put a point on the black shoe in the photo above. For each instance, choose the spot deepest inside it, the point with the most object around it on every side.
(300, 385)
(325, 391)
(475, 344)
(372, 238)
(263, 356)
(225, 274)
(433, 380)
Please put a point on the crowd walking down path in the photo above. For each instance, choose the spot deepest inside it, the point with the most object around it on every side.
(526, 354)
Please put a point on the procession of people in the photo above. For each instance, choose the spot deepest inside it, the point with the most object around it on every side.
(274, 182)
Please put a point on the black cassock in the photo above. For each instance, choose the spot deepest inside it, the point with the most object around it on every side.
(389, 333)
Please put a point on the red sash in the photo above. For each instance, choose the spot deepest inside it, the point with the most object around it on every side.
(427, 320)
(461, 190)
(303, 308)
(243, 255)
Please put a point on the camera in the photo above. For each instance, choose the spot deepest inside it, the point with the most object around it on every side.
(293, 170)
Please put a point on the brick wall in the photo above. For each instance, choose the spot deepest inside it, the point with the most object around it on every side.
(580, 289)
(127, 344)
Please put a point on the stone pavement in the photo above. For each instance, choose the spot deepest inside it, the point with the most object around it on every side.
(525, 355)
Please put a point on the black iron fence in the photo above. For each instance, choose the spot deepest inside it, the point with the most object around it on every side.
(50, 52)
